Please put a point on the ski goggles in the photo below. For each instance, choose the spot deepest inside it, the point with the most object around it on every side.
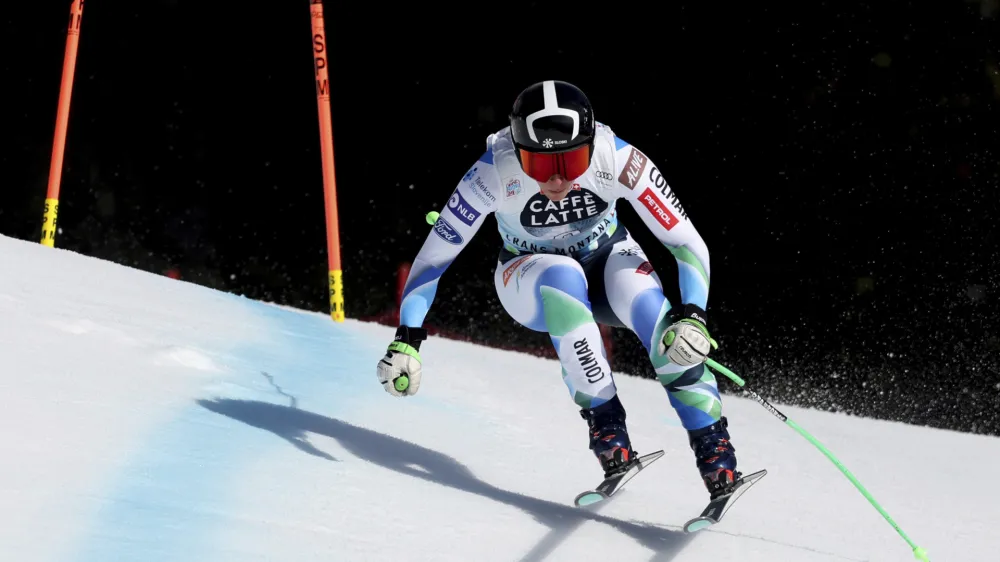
(541, 166)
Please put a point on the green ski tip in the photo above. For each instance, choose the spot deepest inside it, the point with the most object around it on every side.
(588, 499)
(698, 525)
(920, 554)
(432, 217)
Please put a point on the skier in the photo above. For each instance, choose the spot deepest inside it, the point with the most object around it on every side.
(552, 179)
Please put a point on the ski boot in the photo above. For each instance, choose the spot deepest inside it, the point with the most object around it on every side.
(716, 458)
(609, 436)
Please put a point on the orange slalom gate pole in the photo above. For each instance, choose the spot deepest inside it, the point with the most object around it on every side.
(329, 175)
(62, 124)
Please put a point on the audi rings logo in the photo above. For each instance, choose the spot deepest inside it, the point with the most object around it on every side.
(604, 178)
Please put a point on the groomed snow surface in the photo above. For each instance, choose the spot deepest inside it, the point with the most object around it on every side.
(148, 419)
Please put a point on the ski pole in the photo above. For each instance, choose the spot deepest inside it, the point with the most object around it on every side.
(918, 552)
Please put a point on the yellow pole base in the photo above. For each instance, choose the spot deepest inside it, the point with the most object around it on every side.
(49, 222)
(336, 295)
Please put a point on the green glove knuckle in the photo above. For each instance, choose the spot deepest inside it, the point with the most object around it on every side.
(402, 383)
(697, 324)
(401, 347)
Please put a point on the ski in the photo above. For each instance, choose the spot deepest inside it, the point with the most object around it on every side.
(615, 482)
(717, 508)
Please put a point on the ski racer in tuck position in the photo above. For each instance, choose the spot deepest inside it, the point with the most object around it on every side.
(552, 179)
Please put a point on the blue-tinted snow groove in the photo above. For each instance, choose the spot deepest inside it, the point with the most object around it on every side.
(170, 501)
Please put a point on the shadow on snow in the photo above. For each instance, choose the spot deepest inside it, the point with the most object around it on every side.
(293, 425)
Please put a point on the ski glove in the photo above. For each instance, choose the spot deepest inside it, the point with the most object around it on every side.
(399, 370)
(687, 341)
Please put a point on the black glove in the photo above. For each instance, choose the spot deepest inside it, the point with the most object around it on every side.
(690, 312)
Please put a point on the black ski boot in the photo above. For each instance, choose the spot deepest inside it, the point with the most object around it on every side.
(609, 436)
(716, 458)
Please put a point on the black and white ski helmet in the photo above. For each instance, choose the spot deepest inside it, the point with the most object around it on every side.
(552, 116)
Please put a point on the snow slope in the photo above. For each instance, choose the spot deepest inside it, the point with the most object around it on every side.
(147, 419)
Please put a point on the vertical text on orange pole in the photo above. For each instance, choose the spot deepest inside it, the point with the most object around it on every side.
(51, 213)
(320, 64)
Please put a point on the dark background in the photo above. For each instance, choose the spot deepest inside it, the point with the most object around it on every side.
(839, 158)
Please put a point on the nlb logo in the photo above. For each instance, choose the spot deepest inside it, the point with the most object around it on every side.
(461, 209)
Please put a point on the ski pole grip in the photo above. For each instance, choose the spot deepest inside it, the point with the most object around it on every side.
(732, 376)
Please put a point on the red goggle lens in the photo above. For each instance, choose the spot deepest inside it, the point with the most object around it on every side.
(570, 165)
